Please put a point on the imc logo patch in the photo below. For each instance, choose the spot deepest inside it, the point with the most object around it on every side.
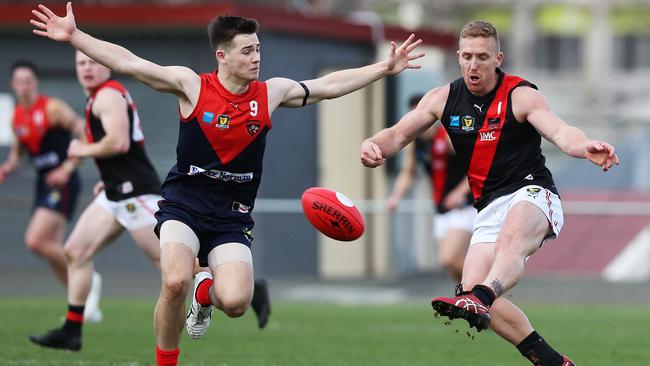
(208, 117)
(223, 121)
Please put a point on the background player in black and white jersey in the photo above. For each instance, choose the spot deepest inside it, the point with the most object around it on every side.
(518, 206)
(238, 55)
(126, 198)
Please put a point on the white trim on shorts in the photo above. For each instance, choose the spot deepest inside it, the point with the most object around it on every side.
(460, 218)
(132, 213)
(487, 224)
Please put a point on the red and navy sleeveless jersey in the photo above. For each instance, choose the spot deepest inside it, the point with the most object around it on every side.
(446, 170)
(47, 145)
(219, 154)
(499, 153)
(125, 175)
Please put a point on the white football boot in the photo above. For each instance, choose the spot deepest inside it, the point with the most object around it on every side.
(199, 317)
(92, 312)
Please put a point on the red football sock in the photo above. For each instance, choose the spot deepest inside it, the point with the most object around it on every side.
(203, 292)
(167, 358)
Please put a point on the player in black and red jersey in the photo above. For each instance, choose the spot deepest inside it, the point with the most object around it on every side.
(496, 122)
(126, 197)
(454, 214)
(43, 127)
(209, 194)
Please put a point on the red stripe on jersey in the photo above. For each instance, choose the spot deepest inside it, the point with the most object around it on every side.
(488, 136)
(439, 163)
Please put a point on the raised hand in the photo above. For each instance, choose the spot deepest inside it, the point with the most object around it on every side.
(399, 58)
(52, 26)
(602, 154)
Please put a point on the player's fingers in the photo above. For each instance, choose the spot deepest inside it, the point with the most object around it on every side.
(415, 57)
(37, 24)
(414, 66)
(377, 152)
(39, 33)
(616, 159)
(47, 11)
(68, 8)
(413, 45)
(40, 16)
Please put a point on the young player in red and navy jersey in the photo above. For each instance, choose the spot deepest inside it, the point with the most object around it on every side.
(454, 214)
(496, 121)
(126, 197)
(43, 126)
(209, 194)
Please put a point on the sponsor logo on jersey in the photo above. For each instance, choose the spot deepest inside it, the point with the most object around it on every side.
(252, 127)
(529, 177)
(223, 121)
(454, 121)
(533, 191)
(47, 160)
(493, 123)
(487, 136)
(208, 117)
(468, 123)
(240, 207)
(222, 175)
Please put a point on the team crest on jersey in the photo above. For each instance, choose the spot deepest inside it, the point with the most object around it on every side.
(248, 233)
(468, 123)
(54, 198)
(454, 121)
(223, 121)
(252, 127)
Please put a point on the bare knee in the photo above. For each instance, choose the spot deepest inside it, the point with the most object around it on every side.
(34, 243)
(175, 287)
(234, 305)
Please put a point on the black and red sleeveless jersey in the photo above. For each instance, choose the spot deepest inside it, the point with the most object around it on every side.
(219, 154)
(47, 145)
(125, 175)
(446, 170)
(499, 153)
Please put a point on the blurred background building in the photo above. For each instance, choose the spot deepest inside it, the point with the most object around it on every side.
(591, 58)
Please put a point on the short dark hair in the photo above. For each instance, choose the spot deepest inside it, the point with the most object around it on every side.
(24, 63)
(414, 100)
(224, 28)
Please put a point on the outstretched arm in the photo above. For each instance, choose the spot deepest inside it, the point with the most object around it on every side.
(530, 105)
(12, 161)
(171, 79)
(288, 93)
(389, 141)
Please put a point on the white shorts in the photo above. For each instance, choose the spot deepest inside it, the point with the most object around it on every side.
(461, 218)
(132, 213)
(487, 224)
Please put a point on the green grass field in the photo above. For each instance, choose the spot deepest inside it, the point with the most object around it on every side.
(327, 335)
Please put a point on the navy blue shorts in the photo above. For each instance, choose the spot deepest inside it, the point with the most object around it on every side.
(61, 199)
(210, 233)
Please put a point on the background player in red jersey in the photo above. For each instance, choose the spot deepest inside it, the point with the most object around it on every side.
(454, 217)
(495, 122)
(209, 194)
(42, 126)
